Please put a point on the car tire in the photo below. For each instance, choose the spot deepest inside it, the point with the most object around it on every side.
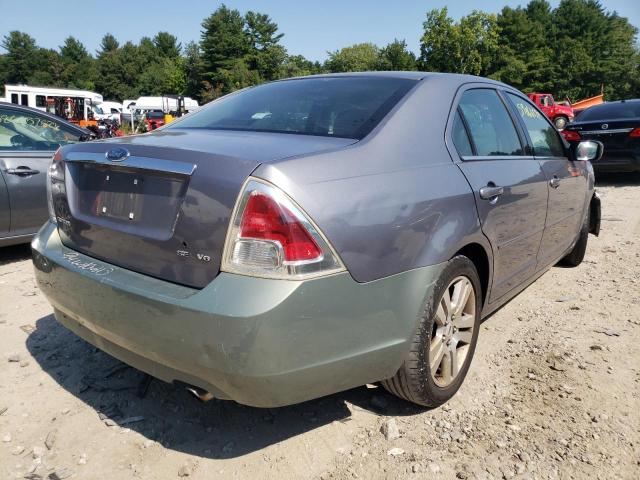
(560, 122)
(577, 253)
(416, 381)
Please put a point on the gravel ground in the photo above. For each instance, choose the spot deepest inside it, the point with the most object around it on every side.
(553, 392)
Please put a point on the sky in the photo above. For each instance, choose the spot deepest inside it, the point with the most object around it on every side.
(311, 28)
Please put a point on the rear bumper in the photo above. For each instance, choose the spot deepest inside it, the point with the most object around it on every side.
(259, 342)
(618, 161)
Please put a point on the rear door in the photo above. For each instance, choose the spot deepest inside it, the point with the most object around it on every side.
(509, 185)
(27, 142)
(567, 181)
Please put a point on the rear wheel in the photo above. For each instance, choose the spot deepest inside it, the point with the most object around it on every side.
(444, 343)
(560, 122)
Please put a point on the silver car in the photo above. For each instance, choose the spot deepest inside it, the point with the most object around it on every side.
(310, 235)
(28, 138)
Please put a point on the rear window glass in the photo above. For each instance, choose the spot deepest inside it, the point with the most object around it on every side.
(489, 124)
(460, 137)
(611, 111)
(348, 107)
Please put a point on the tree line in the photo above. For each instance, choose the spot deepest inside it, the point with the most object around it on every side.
(572, 50)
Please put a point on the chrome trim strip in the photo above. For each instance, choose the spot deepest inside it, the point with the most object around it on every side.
(134, 162)
(603, 132)
(472, 158)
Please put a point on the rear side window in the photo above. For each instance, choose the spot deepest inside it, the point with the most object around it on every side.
(544, 137)
(460, 137)
(489, 123)
(348, 107)
(41, 101)
(611, 111)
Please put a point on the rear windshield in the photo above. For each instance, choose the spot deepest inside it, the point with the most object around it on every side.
(610, 111)
(348, 107)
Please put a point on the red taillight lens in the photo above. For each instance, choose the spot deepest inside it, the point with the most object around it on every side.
(264, 219)
(635, 133)
(571, 136)
(270, 236)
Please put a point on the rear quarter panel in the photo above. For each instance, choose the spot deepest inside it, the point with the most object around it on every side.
(394, 201)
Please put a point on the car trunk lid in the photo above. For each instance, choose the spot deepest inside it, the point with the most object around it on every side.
(164, 208)
(614, 133)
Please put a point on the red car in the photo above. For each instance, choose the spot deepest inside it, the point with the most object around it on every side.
(154, 119)
(559, 114)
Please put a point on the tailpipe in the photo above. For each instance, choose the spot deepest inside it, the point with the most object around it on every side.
(199, 393)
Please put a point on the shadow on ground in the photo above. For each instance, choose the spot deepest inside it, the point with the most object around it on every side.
(172, 416)
(14, 253)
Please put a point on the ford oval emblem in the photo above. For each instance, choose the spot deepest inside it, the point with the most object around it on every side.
(117, 154)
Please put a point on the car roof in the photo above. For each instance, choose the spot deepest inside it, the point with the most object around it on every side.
(387, 74)
(459, 78)
(35, 111)
(631, 100)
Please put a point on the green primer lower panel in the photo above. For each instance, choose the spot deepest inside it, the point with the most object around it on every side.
(260, 342)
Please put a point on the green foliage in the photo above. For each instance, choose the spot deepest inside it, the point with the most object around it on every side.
(108, 44)
(298, 66)
(597, 47)
(167, 45)
(78, 67)
(363, 57)
(224, 45)
(572, 51)
(469, 46)
(21, 58)
(192, 65)
(396, 56)
(356, 58)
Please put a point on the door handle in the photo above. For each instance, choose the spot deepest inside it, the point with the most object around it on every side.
(22, 171)
(554, 182)
(491, 192)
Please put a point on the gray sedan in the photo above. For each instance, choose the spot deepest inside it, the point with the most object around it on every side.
(311, 235)
(28, 138)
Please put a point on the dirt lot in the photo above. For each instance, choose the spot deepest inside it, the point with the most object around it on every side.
(554, 392)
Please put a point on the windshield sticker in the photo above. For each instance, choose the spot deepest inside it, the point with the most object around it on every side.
(30, 121)
(527, 111)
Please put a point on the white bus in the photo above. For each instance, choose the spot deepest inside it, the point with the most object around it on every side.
(73, 105)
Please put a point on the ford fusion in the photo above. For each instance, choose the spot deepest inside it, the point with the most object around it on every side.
(307, 236)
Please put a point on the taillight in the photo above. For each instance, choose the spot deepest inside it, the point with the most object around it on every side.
(571, 136)
(635, 133)
(270, 236)
(55, 182)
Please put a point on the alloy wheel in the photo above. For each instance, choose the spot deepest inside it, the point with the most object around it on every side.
(452, 331)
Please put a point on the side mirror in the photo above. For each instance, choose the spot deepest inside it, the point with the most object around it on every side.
(590, 150)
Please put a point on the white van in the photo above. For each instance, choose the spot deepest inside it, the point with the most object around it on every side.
(108, 110)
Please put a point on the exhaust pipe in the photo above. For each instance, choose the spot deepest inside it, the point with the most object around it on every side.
(199, 393)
